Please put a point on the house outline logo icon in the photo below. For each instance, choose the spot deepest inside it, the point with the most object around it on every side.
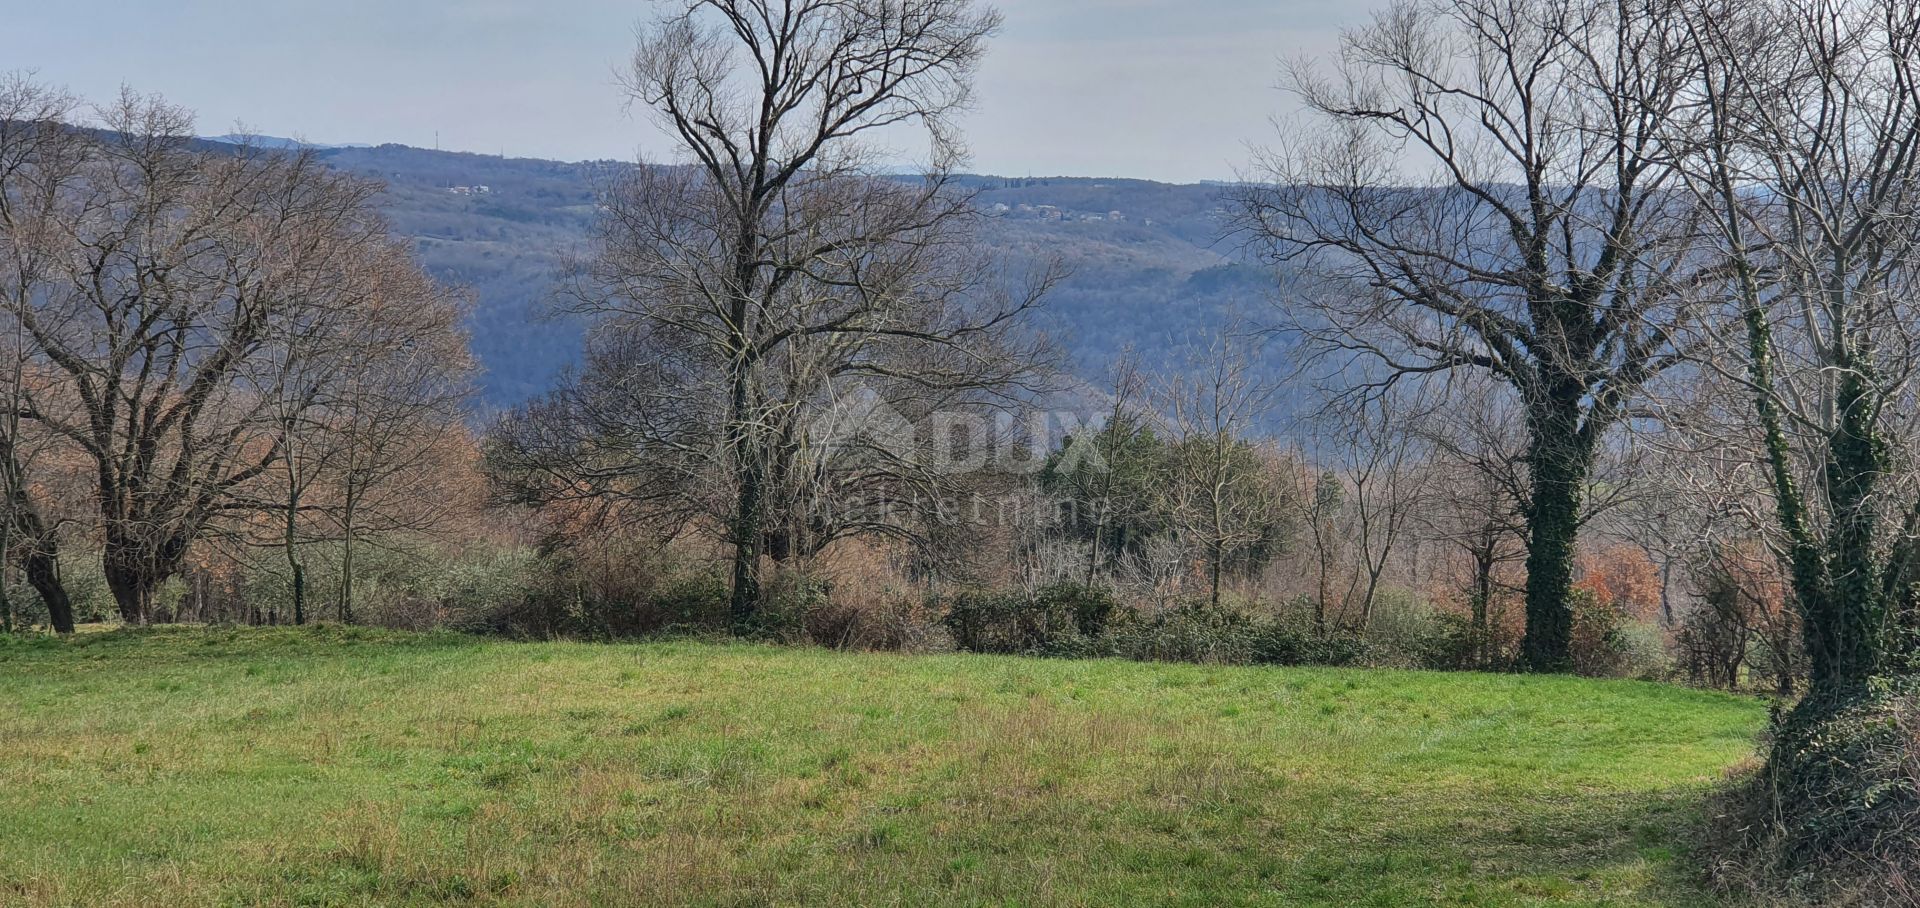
(861, 420)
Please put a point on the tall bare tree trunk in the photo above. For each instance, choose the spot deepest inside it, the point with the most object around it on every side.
(1324, 563)
(132, 595)
(749, 504)
(1214, 559)
(294, 567)
(346, 564)
(1093, 550)
(1482, 604)
(6, 567)
(43, 574)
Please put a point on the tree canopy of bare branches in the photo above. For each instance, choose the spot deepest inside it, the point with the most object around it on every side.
(1490, 188)
(774, 276)
(181, 308)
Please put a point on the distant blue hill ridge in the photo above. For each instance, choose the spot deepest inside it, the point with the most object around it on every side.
(1150, 266)
(279, 142)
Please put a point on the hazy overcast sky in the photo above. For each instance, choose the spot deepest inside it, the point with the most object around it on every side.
(1160, 89)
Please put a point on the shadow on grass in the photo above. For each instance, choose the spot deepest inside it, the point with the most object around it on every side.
(1603, 846)
(230, 639)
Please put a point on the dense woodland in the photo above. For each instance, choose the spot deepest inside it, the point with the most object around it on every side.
(1558, 336)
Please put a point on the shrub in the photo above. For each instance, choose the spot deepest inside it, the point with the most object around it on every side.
(1405, 632)
(1277, 643)
(1599, 650)
(480, 589)
(833, 624)
(984, 621)
(521, 593)
(1457, 645)
(887, 619)
(1090, 607)
(794, 607)
(697, 601)
(1643, 651)
(1058, 620)
(1194, 631)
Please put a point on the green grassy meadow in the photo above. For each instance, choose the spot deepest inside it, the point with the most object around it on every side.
(347, 767)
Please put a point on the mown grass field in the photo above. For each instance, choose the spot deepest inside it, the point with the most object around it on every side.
(346, 767)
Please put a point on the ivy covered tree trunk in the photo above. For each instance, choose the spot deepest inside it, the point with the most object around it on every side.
(1845, 639)
(745, 600)
(1559, 460)
(299, 593)
(1839, 584)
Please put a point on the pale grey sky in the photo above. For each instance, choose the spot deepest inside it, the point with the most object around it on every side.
(1158, 89)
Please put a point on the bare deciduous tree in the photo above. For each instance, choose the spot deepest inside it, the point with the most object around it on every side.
(1542, 245)
(1376, 452)
(39, 157)
(1325, 495)
(395, 419)
(1477, 476)
(183, 295)
(774, 273)
(1220, 495)
(368, 408)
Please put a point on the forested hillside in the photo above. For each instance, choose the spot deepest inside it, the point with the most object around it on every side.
(1149, 263)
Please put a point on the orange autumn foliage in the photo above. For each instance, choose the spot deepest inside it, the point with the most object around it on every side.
(1623, 578)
